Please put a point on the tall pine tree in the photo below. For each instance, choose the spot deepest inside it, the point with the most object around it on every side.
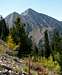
(4, 30)
(47, 46)
(21, 37)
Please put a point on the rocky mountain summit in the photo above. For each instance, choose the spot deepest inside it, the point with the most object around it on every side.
(34, 19)
(36, 23)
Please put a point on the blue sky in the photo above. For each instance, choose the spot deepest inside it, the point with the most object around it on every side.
(52, 8)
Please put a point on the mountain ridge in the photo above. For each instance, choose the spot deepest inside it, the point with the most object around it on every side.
(30, 11)
(36, 23)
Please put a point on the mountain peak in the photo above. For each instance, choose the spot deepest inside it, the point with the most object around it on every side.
(29, 11)
(14, 13)
(36, 23)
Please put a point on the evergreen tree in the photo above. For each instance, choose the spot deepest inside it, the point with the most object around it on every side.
(56, 42)
(4, 30)
(21, 37)
(57, 48)
(41, 48)
(47, 46)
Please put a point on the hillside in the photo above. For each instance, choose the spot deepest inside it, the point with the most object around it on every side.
(18, 54)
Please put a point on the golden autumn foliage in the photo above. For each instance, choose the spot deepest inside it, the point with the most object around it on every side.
(10, 42)
(2, 49)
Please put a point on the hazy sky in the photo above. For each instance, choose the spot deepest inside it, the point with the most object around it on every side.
(52, 8)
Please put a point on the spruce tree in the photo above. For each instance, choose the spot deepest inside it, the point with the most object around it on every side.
(47, 46)
(21, 38)
(56, 42)
(4, 30)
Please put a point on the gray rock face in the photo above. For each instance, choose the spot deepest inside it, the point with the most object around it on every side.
(11, 18)
(36, 23)
(35, 19)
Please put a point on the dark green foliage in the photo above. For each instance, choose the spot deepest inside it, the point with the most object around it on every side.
(42, 52)
(56, 43)
(25, 49)
(47, 46)
(3, 30)
(41, 48)
(57, 48)
(21, 37)
(35, 51)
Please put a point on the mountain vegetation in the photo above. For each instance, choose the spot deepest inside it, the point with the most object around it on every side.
(3, 29)
(20, 37)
